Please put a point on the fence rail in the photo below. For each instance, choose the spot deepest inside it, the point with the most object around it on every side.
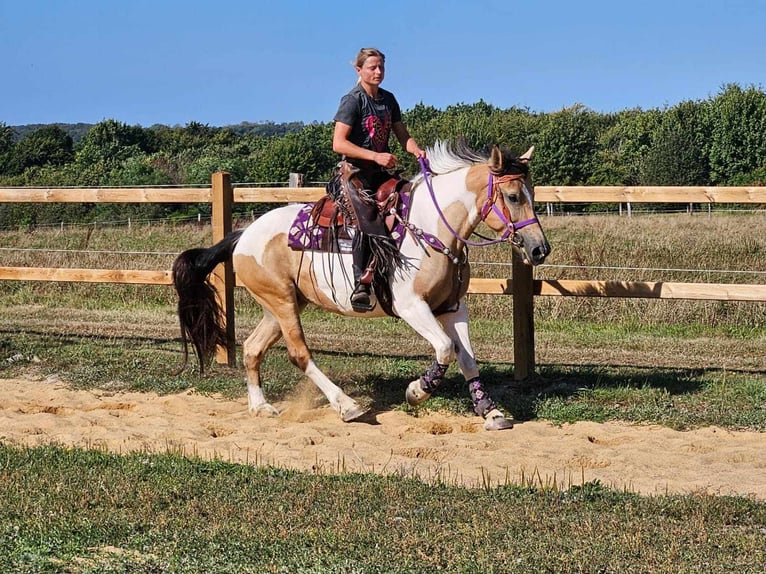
(522, 287)
(242, 194)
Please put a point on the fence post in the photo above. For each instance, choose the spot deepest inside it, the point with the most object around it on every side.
(523, 319)
(295, 180)
(223, 275)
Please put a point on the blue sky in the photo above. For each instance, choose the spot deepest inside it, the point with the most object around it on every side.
(145, 62)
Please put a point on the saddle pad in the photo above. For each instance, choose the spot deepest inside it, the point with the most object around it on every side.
(306, 235)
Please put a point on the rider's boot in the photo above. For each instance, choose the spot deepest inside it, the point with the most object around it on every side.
(361, 296)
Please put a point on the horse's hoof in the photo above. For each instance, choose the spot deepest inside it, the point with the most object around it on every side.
(415, 393)
(495, 420)
(353, 412)
(264, 410)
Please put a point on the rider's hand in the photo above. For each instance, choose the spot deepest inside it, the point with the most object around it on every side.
(385, 159)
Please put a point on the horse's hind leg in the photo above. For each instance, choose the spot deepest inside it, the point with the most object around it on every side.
(260, 340)
(456, 326)
(300, 356)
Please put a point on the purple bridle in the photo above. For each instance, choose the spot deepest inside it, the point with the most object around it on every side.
(491, 203)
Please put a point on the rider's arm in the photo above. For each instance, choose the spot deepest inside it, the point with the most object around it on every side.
(342, 145)
(407, 141)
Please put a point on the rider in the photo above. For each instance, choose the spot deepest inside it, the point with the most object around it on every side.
(363, 124)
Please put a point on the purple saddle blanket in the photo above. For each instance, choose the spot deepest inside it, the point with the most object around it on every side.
(307, 235)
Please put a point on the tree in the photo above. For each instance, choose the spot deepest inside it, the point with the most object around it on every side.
(6, 138)
(308, 151)
(566, 147)
(677, 154)
(49, 145)
(113, 141)
(6, 146)
(193, 136)
(623, 146)
(738, 138)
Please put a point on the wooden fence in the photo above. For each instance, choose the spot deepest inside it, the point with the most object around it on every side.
(522, 287)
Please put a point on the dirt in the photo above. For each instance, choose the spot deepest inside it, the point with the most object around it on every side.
(436, 447)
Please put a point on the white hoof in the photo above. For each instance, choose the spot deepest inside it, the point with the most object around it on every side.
(415, 393)
(264, 410)
(495, 420)
(352, 411)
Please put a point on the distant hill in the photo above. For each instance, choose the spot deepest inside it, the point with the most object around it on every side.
(75, 131)
(266, 128)
(78, 131)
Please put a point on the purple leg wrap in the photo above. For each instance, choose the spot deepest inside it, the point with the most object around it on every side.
(482, 404)
(432, 378)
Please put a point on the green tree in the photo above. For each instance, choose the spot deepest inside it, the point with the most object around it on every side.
(6, 138)
(49, 145)
(738, 139)
(623, 146)
(677, 154)
(6, 147)
(308, 152)
(193, 136)
(566, 147)
(112, 141)
(215, 159)
(137, 170)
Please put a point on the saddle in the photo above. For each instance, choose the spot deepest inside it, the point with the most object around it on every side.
(328, 213)
(330, 223)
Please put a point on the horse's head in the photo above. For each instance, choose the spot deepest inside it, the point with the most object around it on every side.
(508, 204)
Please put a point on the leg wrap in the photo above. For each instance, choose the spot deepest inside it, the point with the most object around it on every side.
(432, 378)
(482, 404)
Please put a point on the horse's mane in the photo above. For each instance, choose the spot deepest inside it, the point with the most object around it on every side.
(445, 157)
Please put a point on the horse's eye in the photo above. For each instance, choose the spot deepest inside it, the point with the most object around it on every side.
(513, 197)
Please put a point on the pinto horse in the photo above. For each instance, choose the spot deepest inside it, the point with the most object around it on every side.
(458, 189)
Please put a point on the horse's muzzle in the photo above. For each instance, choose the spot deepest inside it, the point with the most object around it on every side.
(539, 253)
(533, 254)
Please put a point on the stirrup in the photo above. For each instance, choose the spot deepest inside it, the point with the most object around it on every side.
(360, 298)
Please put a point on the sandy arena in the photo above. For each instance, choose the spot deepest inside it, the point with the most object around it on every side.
(453, 449)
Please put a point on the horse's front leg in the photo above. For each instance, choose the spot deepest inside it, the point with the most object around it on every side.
(456, 326)
(419, 316)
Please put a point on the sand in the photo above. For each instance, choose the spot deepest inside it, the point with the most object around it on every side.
(309, 436)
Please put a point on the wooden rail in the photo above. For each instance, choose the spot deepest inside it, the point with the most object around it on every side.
(523, 287)
(626, 289)
(243, 194)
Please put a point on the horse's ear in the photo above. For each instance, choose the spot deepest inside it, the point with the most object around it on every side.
(527, 156)
(496, 160)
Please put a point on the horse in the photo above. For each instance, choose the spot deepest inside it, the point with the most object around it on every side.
(457, 189)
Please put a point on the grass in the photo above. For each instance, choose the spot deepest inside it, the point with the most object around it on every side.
(682, 364)
(88, 511)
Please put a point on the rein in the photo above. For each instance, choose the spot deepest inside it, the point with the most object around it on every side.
(490, 203)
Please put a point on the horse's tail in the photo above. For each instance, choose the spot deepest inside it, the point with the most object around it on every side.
(199, 310)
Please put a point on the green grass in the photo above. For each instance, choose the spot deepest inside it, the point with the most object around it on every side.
(681, 364)
(86, 511)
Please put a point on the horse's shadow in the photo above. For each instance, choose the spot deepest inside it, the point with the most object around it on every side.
(522, 399)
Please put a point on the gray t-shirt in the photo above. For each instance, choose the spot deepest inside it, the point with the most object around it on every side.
(370, 119)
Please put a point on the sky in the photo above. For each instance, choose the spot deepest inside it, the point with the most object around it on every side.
(223, 62)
